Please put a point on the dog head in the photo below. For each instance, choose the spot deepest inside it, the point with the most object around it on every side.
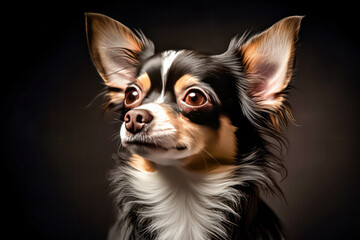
(183, 107)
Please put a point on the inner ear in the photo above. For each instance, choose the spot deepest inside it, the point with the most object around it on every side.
(115, 50)
(269, 61)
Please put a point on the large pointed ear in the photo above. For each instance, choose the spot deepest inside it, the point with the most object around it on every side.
(268, 60)
(116, 52)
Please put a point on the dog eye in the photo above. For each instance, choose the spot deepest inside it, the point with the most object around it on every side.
(195, 98)
(194, 102)
(132, 95)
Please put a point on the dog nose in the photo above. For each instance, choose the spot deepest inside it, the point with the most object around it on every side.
(136, 119)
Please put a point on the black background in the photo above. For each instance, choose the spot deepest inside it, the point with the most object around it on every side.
(56, 151)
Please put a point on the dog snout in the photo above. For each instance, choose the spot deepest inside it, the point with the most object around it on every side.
(136, 119)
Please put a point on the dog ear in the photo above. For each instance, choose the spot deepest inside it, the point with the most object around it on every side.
(115, 51)
(268, 60)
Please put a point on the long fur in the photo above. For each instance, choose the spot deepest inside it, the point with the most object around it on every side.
(150, 207)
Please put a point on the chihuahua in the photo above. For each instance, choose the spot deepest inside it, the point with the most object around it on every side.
(201, 134)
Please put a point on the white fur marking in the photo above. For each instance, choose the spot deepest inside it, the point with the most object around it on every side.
(196, 212)
(168, 58)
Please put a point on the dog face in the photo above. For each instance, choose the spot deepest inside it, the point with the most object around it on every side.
(173, 110)
(183, 107)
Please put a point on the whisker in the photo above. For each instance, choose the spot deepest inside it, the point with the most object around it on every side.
(115, 136)
(173, 143)
(206, 166)
(119, 146)
(102, 93)
(155, 142)
(211, 156)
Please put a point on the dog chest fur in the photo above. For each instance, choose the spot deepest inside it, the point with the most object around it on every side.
(189, 209)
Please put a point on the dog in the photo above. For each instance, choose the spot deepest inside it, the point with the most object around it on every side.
(201, 134)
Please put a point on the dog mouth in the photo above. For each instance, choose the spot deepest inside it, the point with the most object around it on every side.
(153, 145)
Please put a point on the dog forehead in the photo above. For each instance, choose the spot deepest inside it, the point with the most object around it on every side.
(166, 69)
(158, 66)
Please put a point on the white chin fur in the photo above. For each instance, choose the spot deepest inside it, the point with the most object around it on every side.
(160, 156)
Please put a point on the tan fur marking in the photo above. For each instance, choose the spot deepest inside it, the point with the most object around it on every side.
(185, 81)
(275, 122)
(144, 82)
(140, 163)
(115, 97)
(218, 147)
(251, 57)
(224, 147)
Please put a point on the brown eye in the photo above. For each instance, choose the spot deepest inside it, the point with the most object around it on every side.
(195, 98)
(131, 96)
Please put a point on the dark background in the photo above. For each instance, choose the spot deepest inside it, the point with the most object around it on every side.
(56, 151)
